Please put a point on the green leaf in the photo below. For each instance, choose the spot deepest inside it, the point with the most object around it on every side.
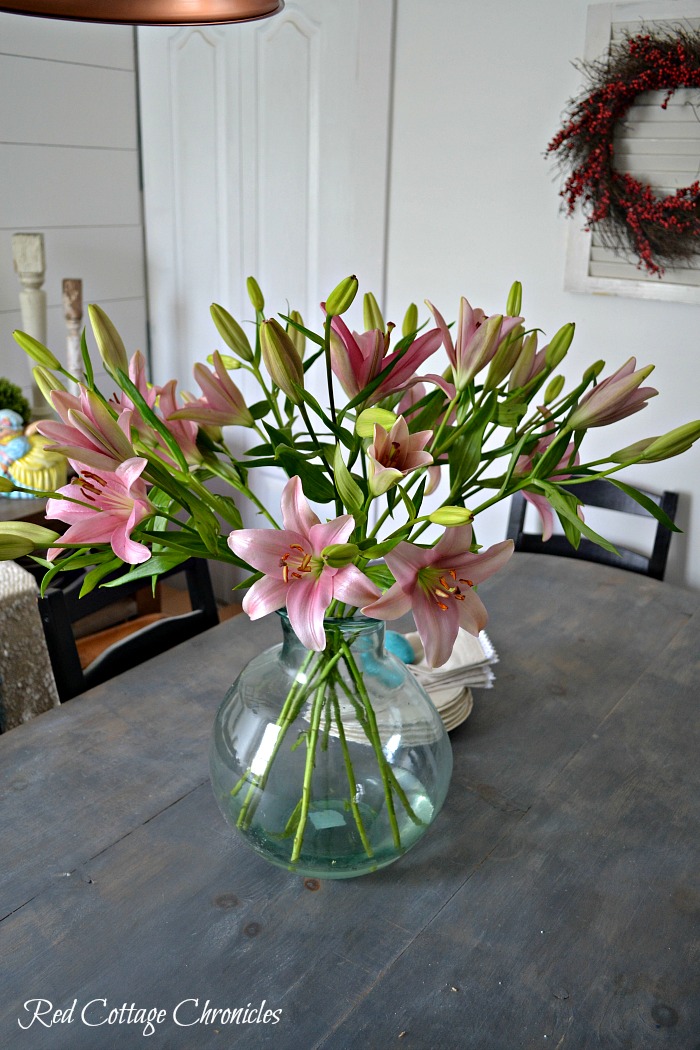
(379, 574)
(228, 510)
(87, 363)
(155, 566)
(306, 331)
(565, 504)
(279, 437)
(259, 410)
(93, 577)
(647, 503)
(313, 481)
(509, 413)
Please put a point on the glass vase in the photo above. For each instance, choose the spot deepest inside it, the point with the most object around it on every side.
(330, 764)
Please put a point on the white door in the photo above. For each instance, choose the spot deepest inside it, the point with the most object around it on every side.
(265, 152)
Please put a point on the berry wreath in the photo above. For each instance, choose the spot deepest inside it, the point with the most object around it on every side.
(628, 213)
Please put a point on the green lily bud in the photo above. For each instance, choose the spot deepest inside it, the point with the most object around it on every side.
(109, 342)
(410, 321)
(364, 426)
(676, 441)
(515, 300)
(229, 363)
(593, 371)
(372, 314)
(281, 359)
(47, 382)
(6, 484)
(554, 389)
(18, 538)
(559, 345)
(297, 337)
(342, 296)
(338, 555)
(451, 517)
(255, 295)
(231, 332)
(504, 359)
(37, 351)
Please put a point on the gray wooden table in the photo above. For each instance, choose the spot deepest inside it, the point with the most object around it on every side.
(554, 903)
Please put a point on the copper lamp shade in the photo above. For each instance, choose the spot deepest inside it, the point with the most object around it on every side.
(148, 12)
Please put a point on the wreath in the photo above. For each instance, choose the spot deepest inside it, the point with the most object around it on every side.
(628, 214)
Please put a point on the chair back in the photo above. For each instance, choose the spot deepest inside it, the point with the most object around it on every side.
(600, 493)
(61, 607)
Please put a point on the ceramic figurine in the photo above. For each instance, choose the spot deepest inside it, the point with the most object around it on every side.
(24, 460)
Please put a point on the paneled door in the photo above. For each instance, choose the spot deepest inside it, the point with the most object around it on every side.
(266, 152)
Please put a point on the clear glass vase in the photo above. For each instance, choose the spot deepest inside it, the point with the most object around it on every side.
(330, 764)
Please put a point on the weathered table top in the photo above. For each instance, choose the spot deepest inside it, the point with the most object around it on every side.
(554, 903)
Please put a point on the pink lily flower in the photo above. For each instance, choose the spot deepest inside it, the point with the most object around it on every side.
(437, 585)
(613, 398)
(88, 432)
(478, 339)
(222, 402)
(394, 454)
(122, 402)
(296, 574)
(356, 358)
(183, 430)
(529, 364)
(525, 464)
(117, 503)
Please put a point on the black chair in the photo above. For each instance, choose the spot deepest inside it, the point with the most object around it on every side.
(599, 493)
(141, 638)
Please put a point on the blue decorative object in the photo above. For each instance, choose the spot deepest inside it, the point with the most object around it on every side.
(400, 646)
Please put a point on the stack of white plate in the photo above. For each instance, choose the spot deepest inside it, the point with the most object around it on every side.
(449, 686)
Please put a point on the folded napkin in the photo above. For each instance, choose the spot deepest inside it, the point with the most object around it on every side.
(469, 665)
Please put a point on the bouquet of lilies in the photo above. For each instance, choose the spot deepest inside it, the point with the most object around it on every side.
(405, 449)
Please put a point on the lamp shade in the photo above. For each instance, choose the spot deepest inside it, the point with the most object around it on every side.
(147, 12)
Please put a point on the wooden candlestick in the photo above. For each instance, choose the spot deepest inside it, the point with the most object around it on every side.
(73, 314)
(29, 264)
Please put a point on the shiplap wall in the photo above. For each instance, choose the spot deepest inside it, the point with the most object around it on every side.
(69, 168)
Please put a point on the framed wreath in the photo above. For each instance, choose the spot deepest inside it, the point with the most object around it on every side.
(628, 213)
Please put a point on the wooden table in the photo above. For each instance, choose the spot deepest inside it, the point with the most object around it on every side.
(554, 903)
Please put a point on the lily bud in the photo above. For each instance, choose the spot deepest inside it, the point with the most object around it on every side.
(451, 517)
(255, 295)
(18, 538)
(231, 332)
(342, 296)
(554, 389)
(37, 351)
(109, 342)
(504, 359)
(372, 315)
(364, 426)
(297, 337)
(559, 345)
(410, 321)
(593, 371)
(229, 363)
(338, 555)
(47, 382)
(523, 367)
(281, 359)
(6, 484)
(515, 300)
(676, 441)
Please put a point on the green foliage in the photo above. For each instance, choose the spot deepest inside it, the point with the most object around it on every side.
(12, 399)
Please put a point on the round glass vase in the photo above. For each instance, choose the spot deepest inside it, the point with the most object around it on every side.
(330, 764)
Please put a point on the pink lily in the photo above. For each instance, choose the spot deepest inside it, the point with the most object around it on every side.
(296, 574)
(357, 358)
(478, 339)
(88, 432)
(394, 454)
(122, 402)
(525, 464)
(183, 430)
(437, 585)
(613, 398)
(529, 364)
(117, 503)
(222, 402)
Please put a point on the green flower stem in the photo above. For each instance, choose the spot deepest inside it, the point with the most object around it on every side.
(329, 371)
(434, 448)
(319, 702)
(374, 738)
(296, 698)
(403, 798)
(352, 784)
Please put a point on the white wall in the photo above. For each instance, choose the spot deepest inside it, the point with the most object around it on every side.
(479, 92)
(69, 168)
